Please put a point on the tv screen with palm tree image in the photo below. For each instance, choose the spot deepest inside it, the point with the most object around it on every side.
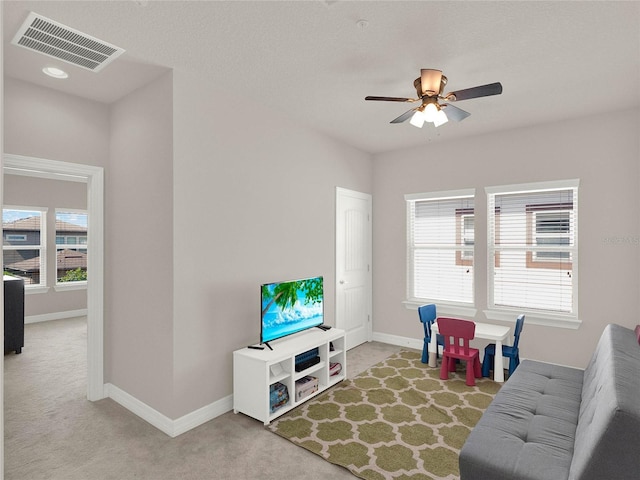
(290, 307)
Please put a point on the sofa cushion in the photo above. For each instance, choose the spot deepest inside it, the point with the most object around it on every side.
(528, 430)
(609, 423)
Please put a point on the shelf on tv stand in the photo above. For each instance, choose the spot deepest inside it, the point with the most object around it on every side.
(254, 371)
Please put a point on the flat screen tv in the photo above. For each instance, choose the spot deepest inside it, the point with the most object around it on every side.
(290, 307)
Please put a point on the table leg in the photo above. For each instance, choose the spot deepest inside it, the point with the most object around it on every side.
(433, 348)
(498, 364)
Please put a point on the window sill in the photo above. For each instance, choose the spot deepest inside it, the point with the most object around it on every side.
(69, 286)
(535, 318)
(443, 308)
(34, 290)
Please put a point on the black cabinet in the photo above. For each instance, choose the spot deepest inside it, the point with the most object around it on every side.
(13, 314)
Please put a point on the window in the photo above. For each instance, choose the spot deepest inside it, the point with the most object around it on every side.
(440, 245)
(71, 246)
(533, 246)
(24, 244)
(12, 237)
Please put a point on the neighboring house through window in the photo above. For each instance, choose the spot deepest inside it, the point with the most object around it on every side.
(549, 225)
(24, 244)
(465, 235)
(440, 245)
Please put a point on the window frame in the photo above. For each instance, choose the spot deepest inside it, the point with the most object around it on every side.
(42, 285)
(535, 316)
(76, 284)
(446, 306)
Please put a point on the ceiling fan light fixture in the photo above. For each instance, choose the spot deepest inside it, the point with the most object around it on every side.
(417, 120)
(441, 118)
(430, 112)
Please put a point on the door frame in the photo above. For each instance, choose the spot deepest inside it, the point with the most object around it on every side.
(94, 178)
(340, 192)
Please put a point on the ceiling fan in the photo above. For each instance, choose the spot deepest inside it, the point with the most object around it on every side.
(430, 87)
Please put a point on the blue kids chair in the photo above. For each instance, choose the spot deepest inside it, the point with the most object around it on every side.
(427, 314)
(511, 351)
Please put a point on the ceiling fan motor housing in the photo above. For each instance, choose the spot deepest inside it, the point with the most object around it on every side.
(430, 83)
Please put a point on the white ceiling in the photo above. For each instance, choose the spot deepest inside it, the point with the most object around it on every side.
(313, 62)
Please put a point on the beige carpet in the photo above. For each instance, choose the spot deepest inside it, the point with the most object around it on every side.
(53, 433)
(396, 420)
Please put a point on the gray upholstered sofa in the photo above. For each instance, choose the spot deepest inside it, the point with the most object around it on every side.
(550, 422)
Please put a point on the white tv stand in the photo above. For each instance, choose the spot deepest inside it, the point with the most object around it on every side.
(254, 371)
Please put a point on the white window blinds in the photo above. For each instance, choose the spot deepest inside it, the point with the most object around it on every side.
(440, 245)
(533, 247)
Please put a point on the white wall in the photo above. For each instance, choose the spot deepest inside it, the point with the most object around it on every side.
(1, 293)
(43, 123)
(254, 202)
(139, 246)
(604, 154)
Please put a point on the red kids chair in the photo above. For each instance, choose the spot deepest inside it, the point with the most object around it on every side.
(457, 334)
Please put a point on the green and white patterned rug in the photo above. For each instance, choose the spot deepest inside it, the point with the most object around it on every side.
(396, 420)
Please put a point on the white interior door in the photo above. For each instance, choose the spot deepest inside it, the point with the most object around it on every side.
(353, 265)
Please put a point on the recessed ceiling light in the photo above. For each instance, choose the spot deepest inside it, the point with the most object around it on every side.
(55, 72)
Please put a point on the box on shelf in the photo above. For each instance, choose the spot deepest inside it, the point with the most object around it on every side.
(307, 359)
(278, 396)
(334, 368)
(306, 386)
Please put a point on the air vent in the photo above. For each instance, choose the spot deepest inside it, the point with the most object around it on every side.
(55, 40)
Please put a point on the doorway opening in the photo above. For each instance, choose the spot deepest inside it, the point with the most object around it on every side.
(94, 179)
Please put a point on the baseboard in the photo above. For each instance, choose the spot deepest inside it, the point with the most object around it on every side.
(202, 415)
(399, 341)
(172, 428)
(45, 317)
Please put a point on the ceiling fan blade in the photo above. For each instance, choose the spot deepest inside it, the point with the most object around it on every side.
(430, 81)
(391, 99)
(454, 113)
(475, 92)
(405, 116)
